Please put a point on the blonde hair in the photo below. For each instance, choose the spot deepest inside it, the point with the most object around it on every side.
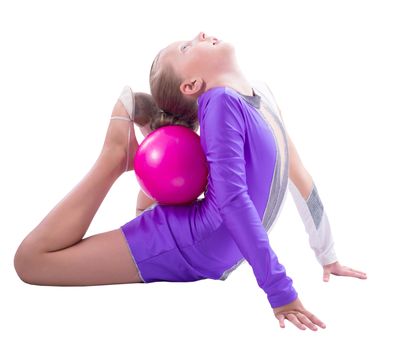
(175, 108)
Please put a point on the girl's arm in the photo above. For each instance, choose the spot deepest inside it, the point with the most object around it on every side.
(310, 208)
(222, 137)
(314, 217)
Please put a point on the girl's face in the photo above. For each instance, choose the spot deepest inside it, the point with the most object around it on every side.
(203, 57)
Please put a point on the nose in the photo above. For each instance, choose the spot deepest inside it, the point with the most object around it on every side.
(201, 36)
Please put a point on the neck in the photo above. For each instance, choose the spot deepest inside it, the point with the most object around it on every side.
(235, 80)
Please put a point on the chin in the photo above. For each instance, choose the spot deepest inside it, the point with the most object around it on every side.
(226, 45)
(227, 52)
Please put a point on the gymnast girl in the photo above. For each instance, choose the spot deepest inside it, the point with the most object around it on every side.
(196, 83)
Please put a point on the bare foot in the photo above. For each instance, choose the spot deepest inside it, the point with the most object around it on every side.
(116, 140)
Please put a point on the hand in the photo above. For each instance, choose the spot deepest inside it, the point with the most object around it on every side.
(339, 270)
(298, 315)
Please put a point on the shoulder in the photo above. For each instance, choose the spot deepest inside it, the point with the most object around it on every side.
(220, 107)
(218, 95)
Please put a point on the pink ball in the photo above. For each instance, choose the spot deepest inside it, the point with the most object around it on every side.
(170, 165)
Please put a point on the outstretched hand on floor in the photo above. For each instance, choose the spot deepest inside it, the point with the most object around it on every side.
(298, 315)
(339, 270)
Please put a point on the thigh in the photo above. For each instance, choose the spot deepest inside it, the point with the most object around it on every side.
(157, 240)
(99, 259)
(176, 244)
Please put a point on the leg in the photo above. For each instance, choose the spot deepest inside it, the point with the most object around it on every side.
(96, 260)
(54, 252)
(69, 220)
(52, 242)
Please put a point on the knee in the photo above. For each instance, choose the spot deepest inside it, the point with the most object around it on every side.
(24, 264)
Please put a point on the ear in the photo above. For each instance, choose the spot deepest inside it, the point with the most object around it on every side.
(192, 86)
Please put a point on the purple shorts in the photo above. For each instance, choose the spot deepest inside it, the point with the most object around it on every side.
(178, 244)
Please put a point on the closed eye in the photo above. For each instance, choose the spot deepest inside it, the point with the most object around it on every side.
(184, 46)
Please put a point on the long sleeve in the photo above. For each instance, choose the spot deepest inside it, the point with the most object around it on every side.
(223, 136)
(316, 224)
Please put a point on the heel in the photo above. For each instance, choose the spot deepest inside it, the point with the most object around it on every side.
(128, 100)
(125, 118)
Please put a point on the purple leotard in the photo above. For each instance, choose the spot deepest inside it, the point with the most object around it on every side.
(211, 236)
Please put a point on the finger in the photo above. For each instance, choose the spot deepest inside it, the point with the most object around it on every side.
(352, 273)
(349, 268)
(293, 318)
(359, 274)
(326, 276)
(314, 319)
(304, 319)
(281, 319)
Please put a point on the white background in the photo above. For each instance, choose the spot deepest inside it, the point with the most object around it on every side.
(333, 67)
